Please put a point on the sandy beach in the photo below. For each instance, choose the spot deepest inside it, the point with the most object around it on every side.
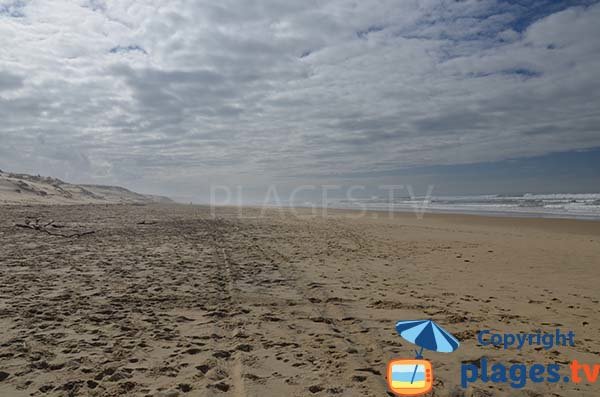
(167, 300)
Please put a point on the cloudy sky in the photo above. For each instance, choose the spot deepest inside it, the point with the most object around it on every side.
(173, 96)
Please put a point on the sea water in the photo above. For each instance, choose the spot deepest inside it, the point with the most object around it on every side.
(578, 206)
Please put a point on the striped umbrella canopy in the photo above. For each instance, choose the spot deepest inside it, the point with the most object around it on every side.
(427, 334)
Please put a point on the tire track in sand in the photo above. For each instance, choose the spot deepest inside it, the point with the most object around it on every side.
(230, 303)
(237, 369)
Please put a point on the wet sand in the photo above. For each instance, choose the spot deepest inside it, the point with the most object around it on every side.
(170, 301)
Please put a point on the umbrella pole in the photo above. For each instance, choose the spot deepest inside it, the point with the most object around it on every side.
(419, 355)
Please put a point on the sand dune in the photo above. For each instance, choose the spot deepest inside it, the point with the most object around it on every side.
(169, 301)
(29, 189)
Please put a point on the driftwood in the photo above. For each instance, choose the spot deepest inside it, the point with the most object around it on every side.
(43, 227)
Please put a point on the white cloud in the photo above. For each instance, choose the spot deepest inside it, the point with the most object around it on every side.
(146, 90)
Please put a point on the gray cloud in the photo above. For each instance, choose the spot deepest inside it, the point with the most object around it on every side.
(247, 92)
(10, 81)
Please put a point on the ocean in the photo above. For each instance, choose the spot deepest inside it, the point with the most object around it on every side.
(576, 206)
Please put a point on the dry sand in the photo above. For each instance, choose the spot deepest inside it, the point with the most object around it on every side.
(280, 305)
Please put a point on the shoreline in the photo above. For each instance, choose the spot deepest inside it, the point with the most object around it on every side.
(249, 212)
(499, 214)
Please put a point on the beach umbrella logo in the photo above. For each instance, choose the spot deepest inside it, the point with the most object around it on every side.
(413, 377)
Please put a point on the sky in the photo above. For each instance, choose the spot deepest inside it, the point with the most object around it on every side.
(173, 97)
